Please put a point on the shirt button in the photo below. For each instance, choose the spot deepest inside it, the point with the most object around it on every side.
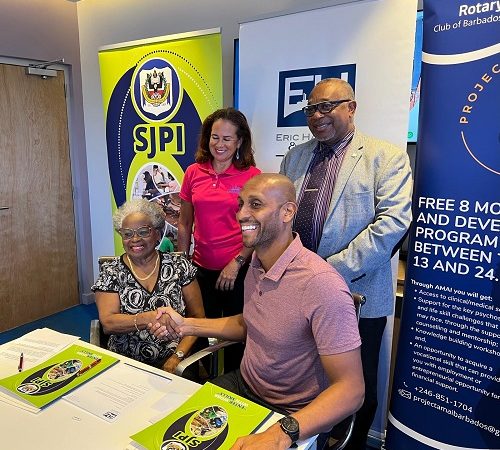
(213, 185)
(260, 292)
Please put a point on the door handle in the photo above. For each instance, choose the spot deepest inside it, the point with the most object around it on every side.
(4, 207)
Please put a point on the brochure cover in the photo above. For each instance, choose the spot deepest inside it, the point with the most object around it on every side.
(212, 418)
(56, 376)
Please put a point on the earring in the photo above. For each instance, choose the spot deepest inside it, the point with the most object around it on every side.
(237, 153)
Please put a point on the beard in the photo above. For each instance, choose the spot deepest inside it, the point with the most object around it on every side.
(265, 233)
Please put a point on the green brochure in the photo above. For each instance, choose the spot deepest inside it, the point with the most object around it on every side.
(56, 376)
(212, 418)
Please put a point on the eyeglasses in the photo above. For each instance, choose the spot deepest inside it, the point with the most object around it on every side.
(225, 139)
(323, 107)
(142, 232)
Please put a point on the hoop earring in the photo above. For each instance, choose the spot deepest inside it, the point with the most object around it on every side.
(237, 153)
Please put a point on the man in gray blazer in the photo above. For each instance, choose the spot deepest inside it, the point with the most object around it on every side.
(354, 196)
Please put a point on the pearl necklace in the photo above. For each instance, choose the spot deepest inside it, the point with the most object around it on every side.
(151, 273)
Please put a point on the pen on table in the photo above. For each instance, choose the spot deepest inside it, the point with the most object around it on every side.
(84, 369)
(21, 362)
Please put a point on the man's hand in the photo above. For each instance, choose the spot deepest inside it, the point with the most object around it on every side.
(168, 324)
(227, 277)
(271, 439)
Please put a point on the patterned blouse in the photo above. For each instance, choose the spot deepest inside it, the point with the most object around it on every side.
(175, 272)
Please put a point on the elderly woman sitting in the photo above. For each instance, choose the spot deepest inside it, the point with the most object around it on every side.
(130, 289)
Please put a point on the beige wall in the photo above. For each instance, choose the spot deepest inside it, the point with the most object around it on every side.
(113, 21)
(46, 30)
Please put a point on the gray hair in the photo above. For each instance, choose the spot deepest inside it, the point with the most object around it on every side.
(140, 205)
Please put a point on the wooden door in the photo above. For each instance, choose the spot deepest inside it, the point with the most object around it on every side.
(38, 266)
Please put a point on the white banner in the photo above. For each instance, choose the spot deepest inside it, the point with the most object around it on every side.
(369, 43)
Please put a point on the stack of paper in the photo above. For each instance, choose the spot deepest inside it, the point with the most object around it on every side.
(36, 346)
(35, 388)
(212, 418)
(118, 390)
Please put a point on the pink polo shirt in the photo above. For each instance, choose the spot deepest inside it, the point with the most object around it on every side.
(295, 312)
(217, 234)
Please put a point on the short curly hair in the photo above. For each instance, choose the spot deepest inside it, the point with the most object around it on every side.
(140, 205)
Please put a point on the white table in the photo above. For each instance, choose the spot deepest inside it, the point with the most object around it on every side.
(65, 426)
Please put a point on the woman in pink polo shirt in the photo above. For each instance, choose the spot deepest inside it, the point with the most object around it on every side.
(209, 201)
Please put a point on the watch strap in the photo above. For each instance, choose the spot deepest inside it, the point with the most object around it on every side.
(240, 260)
(290, 426)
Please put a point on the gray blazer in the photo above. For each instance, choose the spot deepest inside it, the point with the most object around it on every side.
(370, 212)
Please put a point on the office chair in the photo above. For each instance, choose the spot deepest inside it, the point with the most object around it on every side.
(97, 335)
(212, 350)
(341, 433)
(216, 346)
(99, 338)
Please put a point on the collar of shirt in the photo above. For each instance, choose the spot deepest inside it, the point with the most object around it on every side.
(280, 266)
(336, 149)
(208, 168)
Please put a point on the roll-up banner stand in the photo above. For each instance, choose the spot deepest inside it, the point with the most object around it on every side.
(156, 94)
(446, 390)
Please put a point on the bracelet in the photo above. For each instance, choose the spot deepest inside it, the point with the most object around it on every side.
(135, 322)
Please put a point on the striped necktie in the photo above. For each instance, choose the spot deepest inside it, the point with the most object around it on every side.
(304, 220)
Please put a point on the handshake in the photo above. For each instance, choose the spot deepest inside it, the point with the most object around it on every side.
(168, 324)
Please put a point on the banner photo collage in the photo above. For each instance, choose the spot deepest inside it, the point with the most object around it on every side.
(446, 390)
(156, 94)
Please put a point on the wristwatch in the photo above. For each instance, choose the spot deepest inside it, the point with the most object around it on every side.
(291, 427)
(179, 354)
(240, 260)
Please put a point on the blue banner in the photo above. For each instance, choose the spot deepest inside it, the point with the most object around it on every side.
(446, 390)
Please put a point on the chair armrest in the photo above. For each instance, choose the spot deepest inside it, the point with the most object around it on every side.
(185, 363)
(95, 332)
(341, 443)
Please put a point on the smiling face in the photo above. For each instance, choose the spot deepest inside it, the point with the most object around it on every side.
(139, 247)
(265, 210)
(331, 127)
(258, 218)
(223, 144)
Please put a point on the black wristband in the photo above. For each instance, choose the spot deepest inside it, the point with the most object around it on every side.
(241, 260)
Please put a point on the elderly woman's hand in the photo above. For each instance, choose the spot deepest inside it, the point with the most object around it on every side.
(168, 324)
(227, 277)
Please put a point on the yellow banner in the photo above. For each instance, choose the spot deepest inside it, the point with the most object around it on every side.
(156, 95)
